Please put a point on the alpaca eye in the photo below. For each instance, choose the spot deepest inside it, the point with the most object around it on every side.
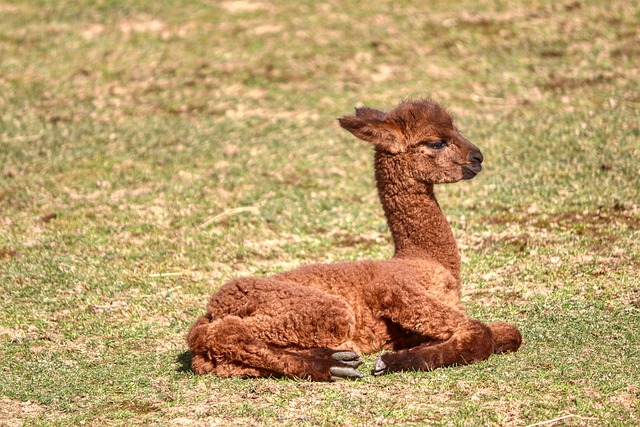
(436, 145)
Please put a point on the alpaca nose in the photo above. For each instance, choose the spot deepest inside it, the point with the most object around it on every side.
(476, 156)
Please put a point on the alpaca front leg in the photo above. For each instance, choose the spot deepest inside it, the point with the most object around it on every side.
(471, 343)
(507, 338)
(450, 336)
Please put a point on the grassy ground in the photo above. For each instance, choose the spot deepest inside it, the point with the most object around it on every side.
(131, 132)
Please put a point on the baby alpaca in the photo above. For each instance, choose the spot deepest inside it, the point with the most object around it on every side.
(314, 321)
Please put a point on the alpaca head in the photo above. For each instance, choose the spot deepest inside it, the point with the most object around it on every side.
(422, 140)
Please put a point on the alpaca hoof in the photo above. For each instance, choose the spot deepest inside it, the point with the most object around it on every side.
(344, 373)
(380, 368)
(348, 358)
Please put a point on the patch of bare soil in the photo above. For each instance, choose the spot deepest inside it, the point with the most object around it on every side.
(557, 81)
(16, 412)
(599, 255)
(242, 6)
(5, 7)
(7, 254)
(588, 223)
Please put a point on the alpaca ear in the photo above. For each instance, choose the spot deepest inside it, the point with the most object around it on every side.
(370, 113)
(367, 126)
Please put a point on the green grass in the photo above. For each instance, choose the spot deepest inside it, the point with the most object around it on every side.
(127, 128)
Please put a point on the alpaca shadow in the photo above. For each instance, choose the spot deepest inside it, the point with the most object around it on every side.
(184, 359)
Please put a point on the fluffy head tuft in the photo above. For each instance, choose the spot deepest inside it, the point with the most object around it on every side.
(411, 122)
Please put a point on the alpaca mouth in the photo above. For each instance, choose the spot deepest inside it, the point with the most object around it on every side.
(471, 170)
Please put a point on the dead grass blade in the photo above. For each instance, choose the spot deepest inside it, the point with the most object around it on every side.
(254, 209)
(543, 423)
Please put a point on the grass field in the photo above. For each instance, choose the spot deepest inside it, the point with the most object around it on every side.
(151, 151)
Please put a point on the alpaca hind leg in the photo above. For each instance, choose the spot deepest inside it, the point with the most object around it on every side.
(294, 315)
(226, 368)
(228, 347)
(204, 362)
(348, 361)
(276, 326)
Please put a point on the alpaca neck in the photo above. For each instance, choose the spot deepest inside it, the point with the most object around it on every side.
(417, 224)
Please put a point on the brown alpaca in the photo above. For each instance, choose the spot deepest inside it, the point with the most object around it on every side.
(312, 322)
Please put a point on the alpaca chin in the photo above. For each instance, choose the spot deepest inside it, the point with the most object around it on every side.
(470, 171)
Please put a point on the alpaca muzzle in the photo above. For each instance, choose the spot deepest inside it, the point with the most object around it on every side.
(470, 170)
(474, 166)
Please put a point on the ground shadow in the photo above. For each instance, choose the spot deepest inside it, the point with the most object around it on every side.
(184, 359)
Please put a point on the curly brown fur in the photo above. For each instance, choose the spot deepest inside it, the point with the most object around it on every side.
(312, 322)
